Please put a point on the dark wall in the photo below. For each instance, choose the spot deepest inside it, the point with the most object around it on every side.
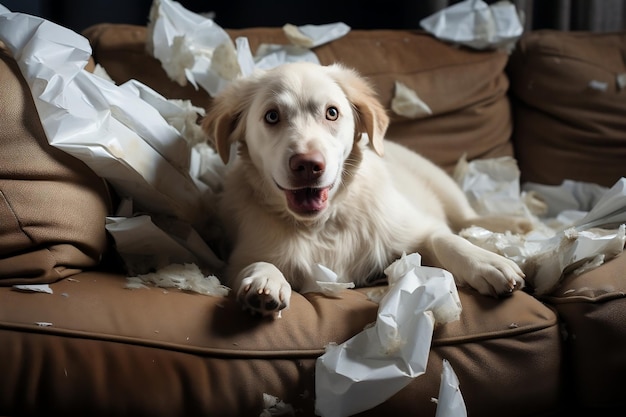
(358, 14)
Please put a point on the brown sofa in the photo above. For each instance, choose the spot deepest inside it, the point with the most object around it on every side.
(93, 347)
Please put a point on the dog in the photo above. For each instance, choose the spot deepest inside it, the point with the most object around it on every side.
(312, 180)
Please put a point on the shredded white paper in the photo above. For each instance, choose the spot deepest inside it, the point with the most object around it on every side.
(185, 277)
(193, 48)
(584, 228)
(275, 407)
(326, 282)
(43, 288)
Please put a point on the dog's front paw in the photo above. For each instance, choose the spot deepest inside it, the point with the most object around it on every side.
(493, 274)
(263, 289)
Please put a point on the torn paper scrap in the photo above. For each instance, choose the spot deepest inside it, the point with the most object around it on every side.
(545, 260)
(145, 243)
(476, 24)
(491, 185)
(378, 362)
(406, 103)
(450, 402)
(610, 210)
(275, 407)
(326, 282)
(311, 36)
(191, 47)
(269, 56)
(186, 277)
(576, 252)
(568, 196)
(182, 115)
(44, 288)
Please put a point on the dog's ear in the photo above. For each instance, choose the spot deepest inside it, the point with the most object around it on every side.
(222, 121)
(371, 117)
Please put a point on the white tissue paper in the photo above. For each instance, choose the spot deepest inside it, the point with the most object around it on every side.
(150, 149)
(476, 24)
(326, 282)
(450, 402)
(194, 48)
(118, 135)
(191, 47)
(378, 362)
(585, 230)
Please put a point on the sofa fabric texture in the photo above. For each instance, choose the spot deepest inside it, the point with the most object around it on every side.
(52, 207)
(94, 347)
(571, 89)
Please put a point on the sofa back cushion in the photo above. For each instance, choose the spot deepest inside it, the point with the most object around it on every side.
(570, 106)
(52, 207)
(465, 89)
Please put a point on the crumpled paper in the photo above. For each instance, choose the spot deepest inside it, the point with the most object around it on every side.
(149, 148)
(191, 47)
(194, 48)
(378, 362)
(573, 241)
(118, 135)
(476, 24)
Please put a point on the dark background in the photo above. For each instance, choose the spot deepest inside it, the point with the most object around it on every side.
(389, 14)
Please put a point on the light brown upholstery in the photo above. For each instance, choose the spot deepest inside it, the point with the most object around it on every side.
(52, 207)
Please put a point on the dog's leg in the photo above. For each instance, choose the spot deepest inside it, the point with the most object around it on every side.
(263, 289)
(485, 271)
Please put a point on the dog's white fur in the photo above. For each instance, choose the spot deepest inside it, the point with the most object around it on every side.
(362, 210)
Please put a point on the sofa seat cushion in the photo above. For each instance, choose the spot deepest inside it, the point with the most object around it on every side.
(94, 347)
(592, 307)
(465, 89)
(52, 206)
(570, 109)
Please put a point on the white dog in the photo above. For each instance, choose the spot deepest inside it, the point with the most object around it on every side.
(314, 182)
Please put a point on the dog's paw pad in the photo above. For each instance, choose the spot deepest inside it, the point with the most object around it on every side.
(261, 303)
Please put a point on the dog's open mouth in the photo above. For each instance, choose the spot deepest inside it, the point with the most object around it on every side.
(307, 201)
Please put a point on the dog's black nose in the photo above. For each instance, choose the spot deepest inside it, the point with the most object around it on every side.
(307, 166)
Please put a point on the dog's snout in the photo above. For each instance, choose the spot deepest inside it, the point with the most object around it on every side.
(310, 165)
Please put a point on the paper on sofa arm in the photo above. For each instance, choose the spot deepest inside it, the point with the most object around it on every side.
(375, 364)
(116, 133)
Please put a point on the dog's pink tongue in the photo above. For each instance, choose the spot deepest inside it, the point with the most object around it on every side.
(307, 200)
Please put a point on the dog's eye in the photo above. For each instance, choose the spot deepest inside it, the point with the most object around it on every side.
(332, 113)
(271, 117)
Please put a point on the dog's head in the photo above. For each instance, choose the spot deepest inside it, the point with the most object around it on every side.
(297, 125)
